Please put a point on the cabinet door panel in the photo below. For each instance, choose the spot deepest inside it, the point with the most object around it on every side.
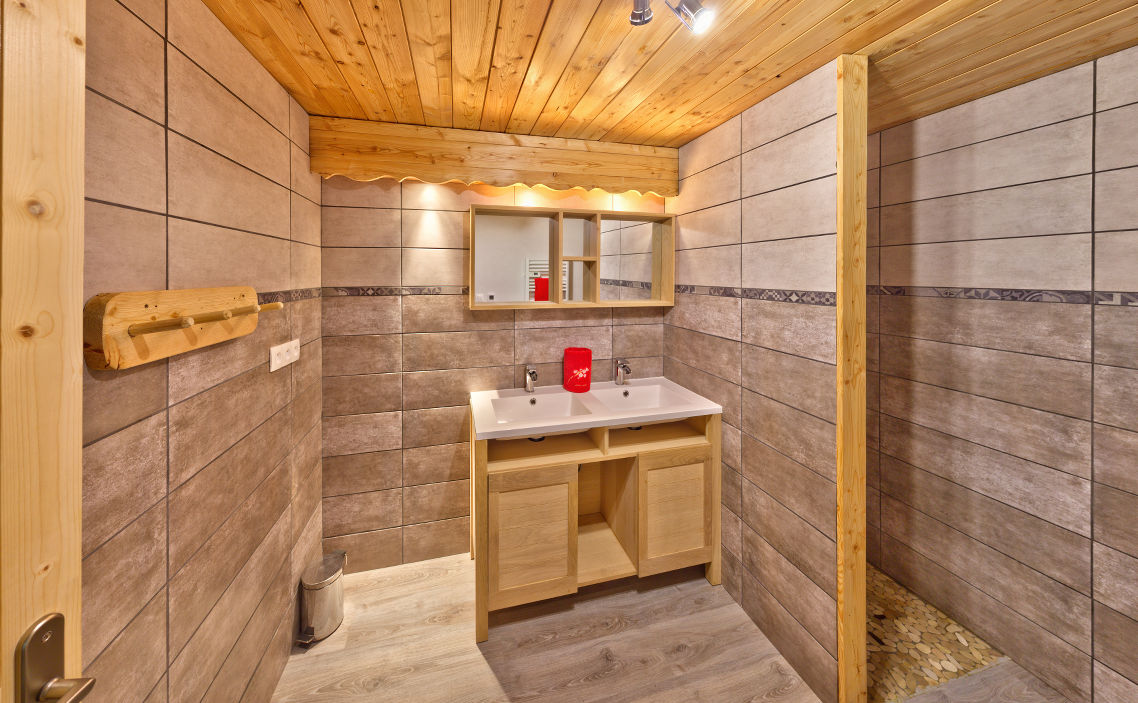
(675, 525)
(533, 536)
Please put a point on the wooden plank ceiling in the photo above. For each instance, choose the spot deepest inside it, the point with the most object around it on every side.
(577, 68)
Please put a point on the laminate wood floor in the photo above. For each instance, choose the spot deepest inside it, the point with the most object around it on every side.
(408, 636)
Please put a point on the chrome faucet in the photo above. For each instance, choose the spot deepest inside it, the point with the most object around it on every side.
(531, 378)
(622, 372)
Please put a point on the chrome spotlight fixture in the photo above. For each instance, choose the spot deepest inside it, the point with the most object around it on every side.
(641, 12)
(692, 14)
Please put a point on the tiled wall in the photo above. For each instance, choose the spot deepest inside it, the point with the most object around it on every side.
(201, 496)
(402, 351)
(1006, 328)
(753, 328)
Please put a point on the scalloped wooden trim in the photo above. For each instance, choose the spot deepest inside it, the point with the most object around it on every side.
(365, 150)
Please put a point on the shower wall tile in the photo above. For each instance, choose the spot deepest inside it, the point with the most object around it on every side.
(714, 226)
(716, 146)
(797, 211)
(124, 59)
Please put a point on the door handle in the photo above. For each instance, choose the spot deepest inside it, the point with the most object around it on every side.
(66, 690)
(39, 665)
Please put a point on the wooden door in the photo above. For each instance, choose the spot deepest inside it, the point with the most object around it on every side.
(676, 509)
(41, 308)
(532, 546)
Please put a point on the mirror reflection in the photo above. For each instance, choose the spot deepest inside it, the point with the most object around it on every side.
(512, 255)
(626, 259)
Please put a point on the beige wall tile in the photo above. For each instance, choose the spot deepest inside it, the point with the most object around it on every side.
(363, 353)
(298, 125)
(713, 266)
(712, 314)
(152, 12)
(232, 197)
(123, 250)
(114, 399)
(445, 313)
(305, 266)
(1116, 261)
(805, 330)
(203, 110)
(707, 228)
(804, 438)
(710, 148)
(548, 345)
(357, 266)
(1115, 206)
(430, 426)
(452, 350)
(714, 355)
(444, 462)
(809, 550)
(356, 395)
(359, 227)
(378, 314)
(303, 180)
(799, 156)
(418, 195)
(431, 540)
(201, 36)
(305, 319)
(638, 340)
(1116, 453)
(434, 267)
(1116, 335)
(125, 156)
(203, 256)
(1054, 98)
(1116, 580)
(124, 59)
(1052, 440)
(714, 388)
(369, 550)
(712, 186)
(1060, 262)
(803, 209)
(1115, 78)
(136, 660)
(807, 100)
(432, 389)
(357, 473)
(1116, 396)
(305, 224)
(808, 494)
(343, 191)
(1112, 687)
(583, 317)
(436, 501)
(356, 434)
(437, 229)
(800, 383)
(1116, 145)
(1052, 207)
(807, 263)
(362, 512)
(1055, 151)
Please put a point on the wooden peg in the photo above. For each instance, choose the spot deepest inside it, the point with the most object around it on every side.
(213, 316)
(246, 310)
(271, 306)
(160, 326)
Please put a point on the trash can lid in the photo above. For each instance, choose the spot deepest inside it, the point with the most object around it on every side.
(321, 573)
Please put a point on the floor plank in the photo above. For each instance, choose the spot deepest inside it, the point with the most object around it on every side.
(408, 636)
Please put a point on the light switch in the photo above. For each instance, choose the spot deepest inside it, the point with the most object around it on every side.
(283, 354)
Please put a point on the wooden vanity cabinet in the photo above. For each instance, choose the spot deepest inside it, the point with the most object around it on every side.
(676, 514)
(554, 514)
(532, 535)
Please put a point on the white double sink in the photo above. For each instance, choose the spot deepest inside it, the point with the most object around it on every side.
(554, 410)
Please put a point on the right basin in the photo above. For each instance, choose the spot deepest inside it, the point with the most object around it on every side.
(643, 396)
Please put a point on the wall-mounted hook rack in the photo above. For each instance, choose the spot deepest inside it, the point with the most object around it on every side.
(121, 330)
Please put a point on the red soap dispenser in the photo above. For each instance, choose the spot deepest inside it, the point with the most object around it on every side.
(578, 365)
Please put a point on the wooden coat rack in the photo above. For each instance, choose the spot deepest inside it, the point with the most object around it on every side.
(122, 330)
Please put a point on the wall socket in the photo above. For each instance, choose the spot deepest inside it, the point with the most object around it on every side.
(283, 354)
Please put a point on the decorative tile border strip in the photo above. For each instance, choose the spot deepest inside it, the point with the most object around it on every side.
(802, 297)
(645, 285)
(1116, 298)
(393, 290)
(288, 296)
(1025, 295)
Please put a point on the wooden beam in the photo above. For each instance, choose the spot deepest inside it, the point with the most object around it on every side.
(853, 101)
(366, 150)
(41, 296)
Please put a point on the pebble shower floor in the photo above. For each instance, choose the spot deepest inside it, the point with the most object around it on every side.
(912, 645)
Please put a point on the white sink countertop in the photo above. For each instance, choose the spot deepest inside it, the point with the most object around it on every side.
(553, 410)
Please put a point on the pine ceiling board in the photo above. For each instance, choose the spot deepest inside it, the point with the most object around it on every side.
(605, 33)
(336, 24)
(844, 31)
(683, 55)
(381, 22)
(985, 37)
(427, 24)
(1105, 36)
(473, 27)
(520, 24)
(438, 154)
(682, 93)
(564, 27)
(634, 52)
(309, 75)
(942, 16)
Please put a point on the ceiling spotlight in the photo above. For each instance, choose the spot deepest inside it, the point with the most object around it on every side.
(693, 14)
(641, 12)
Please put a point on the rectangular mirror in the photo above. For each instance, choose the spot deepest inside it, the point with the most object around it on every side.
(534, 257)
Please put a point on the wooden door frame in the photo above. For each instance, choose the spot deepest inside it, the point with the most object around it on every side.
(42, 91)
(852, 94)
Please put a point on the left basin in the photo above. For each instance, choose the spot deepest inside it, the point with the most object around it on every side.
(542, 406)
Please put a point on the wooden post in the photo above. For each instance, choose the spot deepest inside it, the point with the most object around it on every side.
(42, 74)
(851, 325)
